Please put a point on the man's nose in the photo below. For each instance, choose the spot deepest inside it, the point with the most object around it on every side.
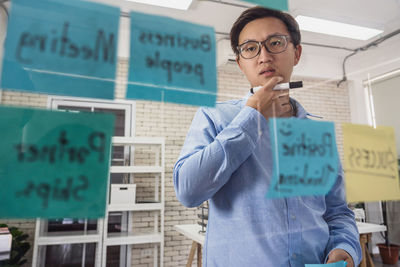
(264, 56)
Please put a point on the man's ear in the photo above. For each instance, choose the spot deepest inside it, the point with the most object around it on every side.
(238, 62)
(297, 54)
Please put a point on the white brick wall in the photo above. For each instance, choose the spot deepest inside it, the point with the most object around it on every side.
(172, 121)
(14, 98)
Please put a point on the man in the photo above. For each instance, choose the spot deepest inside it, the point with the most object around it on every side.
(227, 160)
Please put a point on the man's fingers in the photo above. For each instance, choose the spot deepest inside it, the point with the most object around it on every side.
(271, 103)
(349, 263)
(338, 255)
(271, 83)
(284, 94)
(281, 97)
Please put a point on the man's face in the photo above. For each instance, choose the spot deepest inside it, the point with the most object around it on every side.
(261, 68)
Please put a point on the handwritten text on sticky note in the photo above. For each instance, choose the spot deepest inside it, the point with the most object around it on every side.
(370, 163)
(171, 61)
(305, 157)
(53, 164)
(61, 47)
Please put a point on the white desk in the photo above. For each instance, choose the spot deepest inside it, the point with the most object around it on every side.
(192, 231)
(365, 229)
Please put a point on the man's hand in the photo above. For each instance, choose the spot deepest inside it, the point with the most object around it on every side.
(340, 255)
(271, 103)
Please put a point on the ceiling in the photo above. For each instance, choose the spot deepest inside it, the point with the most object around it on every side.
(221, 14)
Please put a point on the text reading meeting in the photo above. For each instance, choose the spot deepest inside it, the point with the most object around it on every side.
(62, 45)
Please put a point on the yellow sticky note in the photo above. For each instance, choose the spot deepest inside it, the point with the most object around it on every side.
(370, 163)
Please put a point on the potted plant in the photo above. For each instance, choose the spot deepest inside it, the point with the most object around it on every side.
(19, 248)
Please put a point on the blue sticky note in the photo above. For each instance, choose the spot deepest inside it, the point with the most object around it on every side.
(335, 264)
(274, 4)
(171, 61)
(54, 164)
(305, 157)
(62, 48)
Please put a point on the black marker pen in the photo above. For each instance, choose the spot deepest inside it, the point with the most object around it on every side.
(281, 86)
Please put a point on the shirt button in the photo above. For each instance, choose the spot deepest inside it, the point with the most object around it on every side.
(294, 255)
(293, 217)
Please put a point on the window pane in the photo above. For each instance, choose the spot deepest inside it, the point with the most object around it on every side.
(70, 255)
(113, 256)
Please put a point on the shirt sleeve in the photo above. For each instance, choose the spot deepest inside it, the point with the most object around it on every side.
(342, 225)
(210, 155)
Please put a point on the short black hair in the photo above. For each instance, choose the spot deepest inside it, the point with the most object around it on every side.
(259, 12)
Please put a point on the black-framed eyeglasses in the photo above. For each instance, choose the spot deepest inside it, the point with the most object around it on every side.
(274, 44)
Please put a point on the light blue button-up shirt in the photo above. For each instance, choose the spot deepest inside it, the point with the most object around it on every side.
(227, 160)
